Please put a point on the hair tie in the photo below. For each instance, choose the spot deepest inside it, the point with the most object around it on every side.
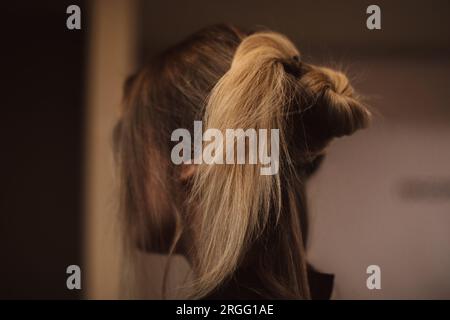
(293, 66)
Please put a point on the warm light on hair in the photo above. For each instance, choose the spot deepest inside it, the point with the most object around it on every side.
(226, 214)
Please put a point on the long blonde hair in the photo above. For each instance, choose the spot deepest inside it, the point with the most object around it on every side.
(227, 215)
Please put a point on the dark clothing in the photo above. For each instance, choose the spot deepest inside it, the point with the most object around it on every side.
(321, 287)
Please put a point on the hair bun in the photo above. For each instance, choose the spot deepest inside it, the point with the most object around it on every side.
(337, 106)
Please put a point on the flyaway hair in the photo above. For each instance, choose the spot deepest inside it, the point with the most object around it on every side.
(236, 205)
(230, 221)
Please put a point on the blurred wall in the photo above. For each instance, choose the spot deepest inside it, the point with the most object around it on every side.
(383, 195)
(333, 28)
(111, 59)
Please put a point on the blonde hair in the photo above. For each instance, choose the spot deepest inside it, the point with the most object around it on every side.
(227, 213)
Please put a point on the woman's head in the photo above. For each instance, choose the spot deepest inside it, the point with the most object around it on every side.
(228, 216)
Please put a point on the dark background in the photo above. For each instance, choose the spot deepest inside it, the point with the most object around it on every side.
(41, 149)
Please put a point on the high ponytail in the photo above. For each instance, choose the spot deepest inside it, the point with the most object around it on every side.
(238, 209)
(236, 203)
